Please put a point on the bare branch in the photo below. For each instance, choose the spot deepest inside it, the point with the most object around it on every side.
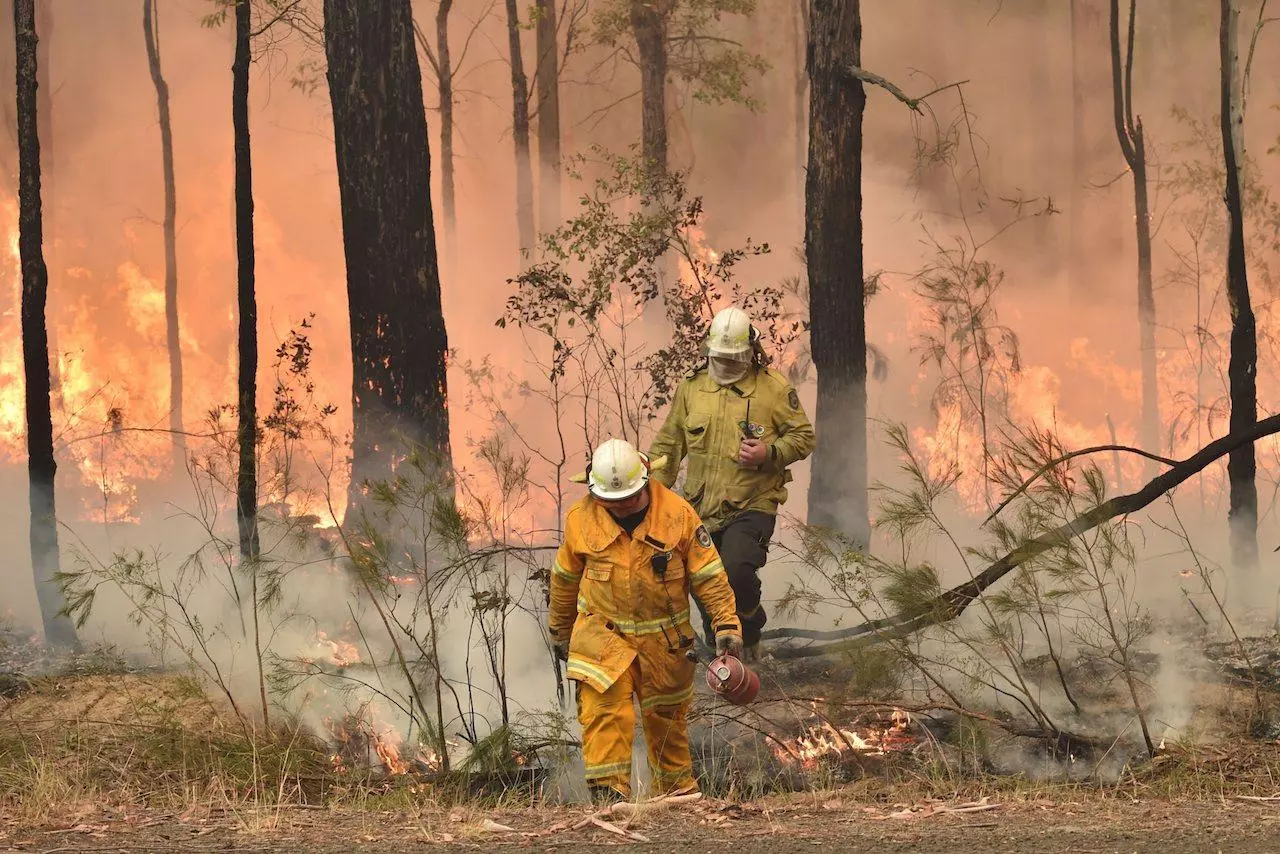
(1253, 47)
(1062, 459)
(892, 88)
(421, 38)
(1119, 91)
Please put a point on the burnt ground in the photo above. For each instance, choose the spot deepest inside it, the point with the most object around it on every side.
(1083, 823)
(1214, 797)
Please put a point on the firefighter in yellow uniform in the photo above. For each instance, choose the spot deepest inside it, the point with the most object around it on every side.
(740, 425)
(633, 550)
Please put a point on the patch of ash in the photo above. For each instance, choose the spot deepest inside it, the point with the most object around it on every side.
(1259, 658)
(24, 655)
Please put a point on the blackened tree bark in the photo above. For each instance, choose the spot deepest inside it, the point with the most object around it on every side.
(1242, 368)
(833, 252)
(151, 29)
(548, 79)
(520, 131)
(247, 300)
(41, 465)
(247, 343)
(398, 340)
(48, 178)
(1133, 146)
(649, 21)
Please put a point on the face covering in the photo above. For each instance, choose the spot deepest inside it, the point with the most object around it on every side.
(727, 371)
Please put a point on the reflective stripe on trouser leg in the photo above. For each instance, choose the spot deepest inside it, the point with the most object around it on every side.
(608, 727)
(666, 733)
(665, 686)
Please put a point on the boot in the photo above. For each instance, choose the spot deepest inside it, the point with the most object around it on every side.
(603, 796)
(751, 653)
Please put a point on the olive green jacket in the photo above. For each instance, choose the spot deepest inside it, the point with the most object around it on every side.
(704, 425)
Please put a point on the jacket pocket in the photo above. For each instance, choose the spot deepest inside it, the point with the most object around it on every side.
(598, 570)
(598, 655)
(697, 431)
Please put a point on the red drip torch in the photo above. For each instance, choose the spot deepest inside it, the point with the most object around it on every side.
(733, 680)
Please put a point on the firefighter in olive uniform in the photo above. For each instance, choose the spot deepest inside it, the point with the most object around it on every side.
(633, 550)
(740, 425)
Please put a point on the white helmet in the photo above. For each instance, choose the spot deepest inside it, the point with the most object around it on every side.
(618, 471)
(730, 334)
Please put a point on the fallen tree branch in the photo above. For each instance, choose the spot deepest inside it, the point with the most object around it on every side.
(893, 89)
(1062, 459)
(952, 603)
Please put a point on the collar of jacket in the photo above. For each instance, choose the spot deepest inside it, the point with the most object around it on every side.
(661, 526)
(744, 387)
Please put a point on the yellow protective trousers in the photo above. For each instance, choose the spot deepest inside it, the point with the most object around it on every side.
(608, 721)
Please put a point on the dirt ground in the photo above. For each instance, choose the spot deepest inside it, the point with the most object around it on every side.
(770, 826)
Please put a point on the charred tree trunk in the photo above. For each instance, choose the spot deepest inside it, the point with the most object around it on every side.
(398, 341)
(649, 21)
(151, 28)
(247, 300)
(247, 343)
(548, 75)
(444, 84)
(1133, 146)
(520, 132)
(833, 252)
(1242, 369)
(41, 465)
(48, 177)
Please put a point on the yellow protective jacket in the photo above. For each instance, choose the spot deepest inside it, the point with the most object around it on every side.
(611, 604)
(703, 425)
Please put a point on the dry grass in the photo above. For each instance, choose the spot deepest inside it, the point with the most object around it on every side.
(143, 740)
(74, 746)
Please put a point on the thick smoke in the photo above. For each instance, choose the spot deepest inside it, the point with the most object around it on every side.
(1078, 335)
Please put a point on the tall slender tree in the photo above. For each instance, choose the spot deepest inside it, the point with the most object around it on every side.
(48, 178)
(246, 294)
(247, 339)
(151, 31)
(649, 23)
(548, 80)
(446, 70)
(41, 464)
(520, 131)
(398, 341)
(1242, 367)
(1134, 147)
(833, 252)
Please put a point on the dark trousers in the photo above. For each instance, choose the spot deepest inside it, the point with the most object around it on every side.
(744, 546)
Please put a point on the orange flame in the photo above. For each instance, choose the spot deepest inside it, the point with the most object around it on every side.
(342, 653)
(827, 740)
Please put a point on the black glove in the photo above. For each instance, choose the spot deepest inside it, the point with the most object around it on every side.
(560, 649)
(728, 643)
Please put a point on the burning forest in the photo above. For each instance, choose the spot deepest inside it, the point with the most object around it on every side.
(447, 398)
